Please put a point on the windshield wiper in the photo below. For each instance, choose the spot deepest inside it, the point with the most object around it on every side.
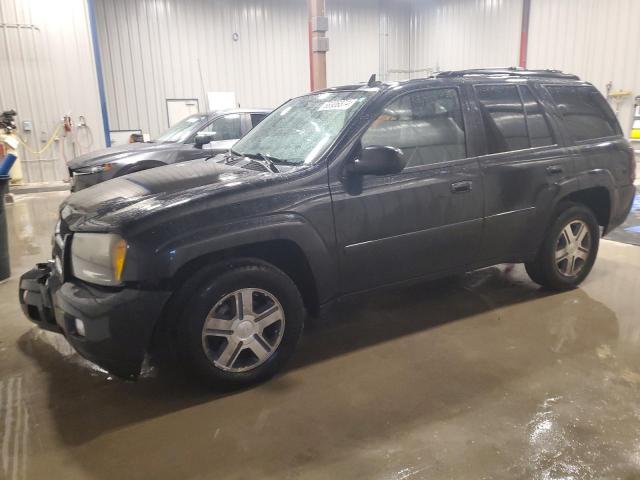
(228, 155)
(263, 159)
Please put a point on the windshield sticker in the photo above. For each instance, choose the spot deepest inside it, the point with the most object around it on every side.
(337, 105)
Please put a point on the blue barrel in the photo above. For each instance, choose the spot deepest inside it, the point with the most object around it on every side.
(6, 164)
(5, 267)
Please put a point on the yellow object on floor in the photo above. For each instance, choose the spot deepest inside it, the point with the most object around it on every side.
(11, 143)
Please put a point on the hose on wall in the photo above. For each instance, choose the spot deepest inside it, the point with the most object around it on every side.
(48, 144)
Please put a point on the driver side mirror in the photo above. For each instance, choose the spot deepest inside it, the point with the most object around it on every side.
(378, 160)
(204, 138)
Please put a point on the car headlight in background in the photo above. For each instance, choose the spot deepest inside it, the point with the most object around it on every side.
(98, 257)
(105, 167)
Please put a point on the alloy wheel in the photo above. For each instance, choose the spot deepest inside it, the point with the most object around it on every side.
(243, 329)
(573, 248)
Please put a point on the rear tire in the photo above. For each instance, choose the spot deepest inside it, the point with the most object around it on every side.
(569, 249)
(241, 324)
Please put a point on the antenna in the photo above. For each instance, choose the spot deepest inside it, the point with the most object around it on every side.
(372, 80)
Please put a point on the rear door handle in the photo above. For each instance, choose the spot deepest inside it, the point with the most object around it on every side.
(554, 169)
(461, 187)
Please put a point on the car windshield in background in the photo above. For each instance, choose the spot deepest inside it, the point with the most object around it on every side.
(182, 130)
(303, 128)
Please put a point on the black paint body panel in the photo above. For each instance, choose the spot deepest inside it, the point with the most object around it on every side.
(357, 233)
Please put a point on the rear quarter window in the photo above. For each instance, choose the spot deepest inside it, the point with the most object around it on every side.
(503, 116)
(586, 113)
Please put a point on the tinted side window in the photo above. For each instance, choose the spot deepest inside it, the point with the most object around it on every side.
(586, 113)
(427, 126)
(225, 128)
(256, 118)
(503, 116)
(539, 132)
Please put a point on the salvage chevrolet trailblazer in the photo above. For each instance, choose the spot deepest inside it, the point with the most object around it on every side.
(337, 192)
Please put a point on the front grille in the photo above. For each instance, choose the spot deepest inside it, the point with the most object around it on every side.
(61, 239)
(249, 164)
(233, 161)
(256, 167)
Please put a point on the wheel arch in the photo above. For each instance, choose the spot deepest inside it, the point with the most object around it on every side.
(597, 199)
(593, 191)
(284, 254)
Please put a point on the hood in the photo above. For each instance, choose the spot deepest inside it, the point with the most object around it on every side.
(119, 152)
(107, 205)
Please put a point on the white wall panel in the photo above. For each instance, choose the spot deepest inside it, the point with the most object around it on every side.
(365, 37)
(458, 34)
(354, 41)
(48, 70)
(158, 49)
(594, 39)
(395, 40)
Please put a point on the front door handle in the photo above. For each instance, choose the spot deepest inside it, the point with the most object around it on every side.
(554, 169)
(461, 187)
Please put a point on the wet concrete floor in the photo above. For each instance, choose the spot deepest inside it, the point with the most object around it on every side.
(483, 376)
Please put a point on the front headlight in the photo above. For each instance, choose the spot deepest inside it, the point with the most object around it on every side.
(98, 257)
(105, 167)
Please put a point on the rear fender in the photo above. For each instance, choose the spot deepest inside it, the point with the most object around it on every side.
(546, 205)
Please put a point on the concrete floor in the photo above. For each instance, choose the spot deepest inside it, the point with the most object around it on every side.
(485, 376)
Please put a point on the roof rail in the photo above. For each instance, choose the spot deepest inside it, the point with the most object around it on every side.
(510, 71)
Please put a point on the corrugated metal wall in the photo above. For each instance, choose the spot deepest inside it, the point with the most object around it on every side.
(190, 41)
(396, 47)
(456, 34)
(368, 36)
(354, 41)
(595, 39)
(48, 71)
(158, 49)
(592, 38)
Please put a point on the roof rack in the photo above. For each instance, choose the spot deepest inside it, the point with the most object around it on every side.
(509, 71)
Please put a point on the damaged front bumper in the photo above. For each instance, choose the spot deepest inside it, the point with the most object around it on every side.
(110, 327)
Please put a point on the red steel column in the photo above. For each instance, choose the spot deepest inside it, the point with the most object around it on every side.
(317, 60)
(524, 34)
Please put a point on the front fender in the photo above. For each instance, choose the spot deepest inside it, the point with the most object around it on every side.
(171, 256)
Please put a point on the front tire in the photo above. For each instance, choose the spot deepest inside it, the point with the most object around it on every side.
(568, 251)
(242, 323)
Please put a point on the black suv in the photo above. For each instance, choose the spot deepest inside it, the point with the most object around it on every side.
(335, 193)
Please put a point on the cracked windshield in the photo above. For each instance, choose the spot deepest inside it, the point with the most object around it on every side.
(302, 129)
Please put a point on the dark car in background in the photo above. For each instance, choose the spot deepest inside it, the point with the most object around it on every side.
(197, 136)
(337, 193)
